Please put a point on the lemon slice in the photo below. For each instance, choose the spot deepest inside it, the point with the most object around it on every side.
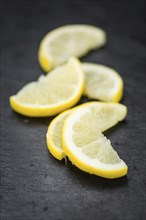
(70, 40)
(51, 94)
(54, 135)
(109, 115)
(102, 83)
(87, 147)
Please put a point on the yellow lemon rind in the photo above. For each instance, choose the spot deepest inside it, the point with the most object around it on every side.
(45, 63)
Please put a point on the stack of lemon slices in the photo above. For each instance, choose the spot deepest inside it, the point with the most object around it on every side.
(76, 132)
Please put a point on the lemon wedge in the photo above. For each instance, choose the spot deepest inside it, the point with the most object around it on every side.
(54, 135)
(87, 147)
(66, 41)
(102, 83)
(51, 94)
(109, 115)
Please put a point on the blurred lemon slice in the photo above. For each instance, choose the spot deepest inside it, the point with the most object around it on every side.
(66, 41)
(102, 83)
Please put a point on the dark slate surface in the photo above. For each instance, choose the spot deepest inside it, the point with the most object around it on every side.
(34, 185)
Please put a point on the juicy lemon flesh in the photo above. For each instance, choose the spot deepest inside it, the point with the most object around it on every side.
(102, 83)
(75, 43)
(50, 89)
(92, 142)
(56, 137)
(98, 86)
(104, 116)
(38, 93)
